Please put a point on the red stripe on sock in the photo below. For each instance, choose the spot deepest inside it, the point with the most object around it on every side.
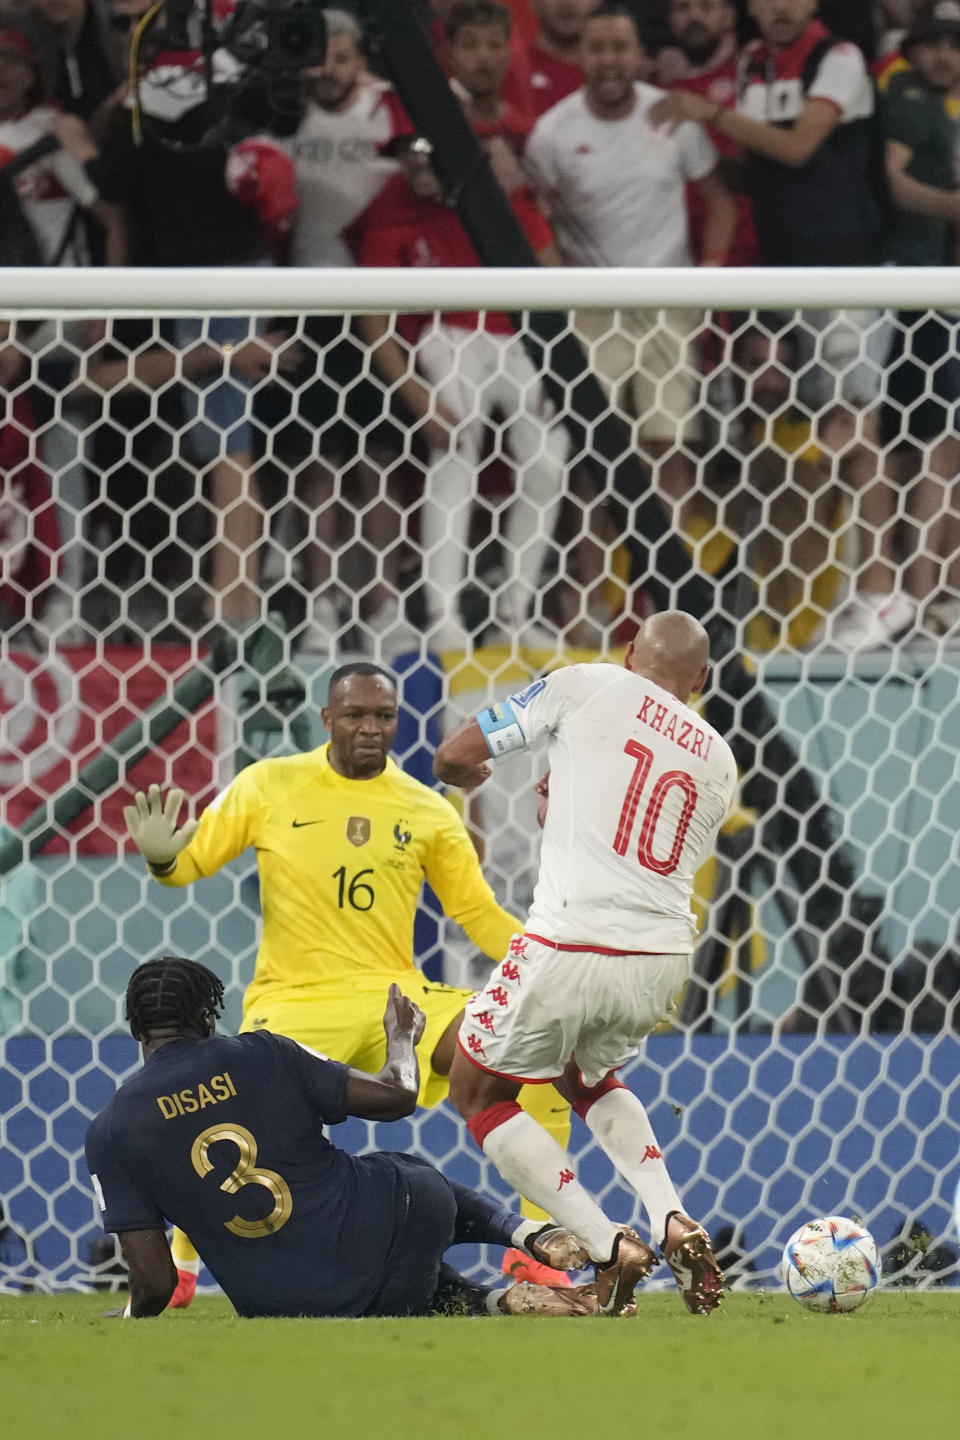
(481, 1125)
(587, 1097)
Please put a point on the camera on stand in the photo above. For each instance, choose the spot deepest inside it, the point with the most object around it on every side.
(248, 65)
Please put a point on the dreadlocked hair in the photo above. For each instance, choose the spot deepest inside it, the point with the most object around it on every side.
(171, 993)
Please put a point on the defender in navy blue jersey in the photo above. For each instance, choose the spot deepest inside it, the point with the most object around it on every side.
(224, 1137)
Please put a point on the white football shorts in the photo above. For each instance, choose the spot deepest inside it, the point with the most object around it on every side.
(544, 1005)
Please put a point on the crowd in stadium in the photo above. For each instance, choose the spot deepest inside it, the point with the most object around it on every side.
(656, 133)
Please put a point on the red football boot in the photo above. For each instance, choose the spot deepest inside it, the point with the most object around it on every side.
(185, 1291)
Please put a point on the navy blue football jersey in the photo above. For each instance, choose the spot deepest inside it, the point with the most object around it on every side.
(224, 1138)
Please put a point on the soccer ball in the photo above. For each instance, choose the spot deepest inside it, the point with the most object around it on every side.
(830, 1265)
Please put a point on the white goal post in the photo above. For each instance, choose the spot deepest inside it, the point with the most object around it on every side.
(158, 488)
(231, 290)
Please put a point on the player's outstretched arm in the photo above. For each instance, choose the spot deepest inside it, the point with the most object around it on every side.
(462, 756)
(392, 1093)
(152, 826)
(153, 1275)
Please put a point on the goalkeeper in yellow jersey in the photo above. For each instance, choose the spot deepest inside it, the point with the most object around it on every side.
(344, 840)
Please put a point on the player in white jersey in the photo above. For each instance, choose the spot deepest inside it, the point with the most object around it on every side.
(639, 786)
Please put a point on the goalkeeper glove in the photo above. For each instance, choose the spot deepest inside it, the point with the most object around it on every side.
(152, 826)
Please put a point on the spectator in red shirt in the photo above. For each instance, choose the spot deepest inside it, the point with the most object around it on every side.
(463, 368)
(477, 36)
(703, 60)
(553, 60)
(517, 84)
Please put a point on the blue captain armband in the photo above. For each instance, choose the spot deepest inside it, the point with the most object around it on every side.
(500, 729)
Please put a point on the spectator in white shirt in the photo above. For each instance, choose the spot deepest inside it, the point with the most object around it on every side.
(616, 188)
(347, 118)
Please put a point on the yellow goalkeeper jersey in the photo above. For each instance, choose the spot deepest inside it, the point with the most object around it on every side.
(341, 865)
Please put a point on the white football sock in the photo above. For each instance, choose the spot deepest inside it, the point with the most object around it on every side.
(534, 1164)
(524, 1230)
(623, 1131)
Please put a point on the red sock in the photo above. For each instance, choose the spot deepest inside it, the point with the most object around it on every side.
(589, 1096)
(487, 1120)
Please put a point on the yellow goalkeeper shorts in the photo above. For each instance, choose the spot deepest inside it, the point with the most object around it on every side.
(345, 1021)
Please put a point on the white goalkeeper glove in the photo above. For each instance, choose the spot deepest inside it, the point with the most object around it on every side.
(152, 826)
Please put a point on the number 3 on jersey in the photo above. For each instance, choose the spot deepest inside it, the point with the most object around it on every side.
(246, 1172)
(651, 815)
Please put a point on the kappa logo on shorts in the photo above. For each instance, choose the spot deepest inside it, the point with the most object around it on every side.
(358, 830)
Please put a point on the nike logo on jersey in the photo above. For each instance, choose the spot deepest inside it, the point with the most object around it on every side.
(299, 824)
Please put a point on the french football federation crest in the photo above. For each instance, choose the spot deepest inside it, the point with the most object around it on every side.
(358, 829)
(401, 836)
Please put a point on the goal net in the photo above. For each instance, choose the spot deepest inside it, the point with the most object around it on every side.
(218, 487)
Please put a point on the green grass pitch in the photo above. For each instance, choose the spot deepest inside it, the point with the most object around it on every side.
(760, 1368)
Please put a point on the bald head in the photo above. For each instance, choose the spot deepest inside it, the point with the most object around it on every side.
(673, 650)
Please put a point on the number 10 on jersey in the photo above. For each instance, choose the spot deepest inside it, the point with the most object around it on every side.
(353, 890)
(654, 807)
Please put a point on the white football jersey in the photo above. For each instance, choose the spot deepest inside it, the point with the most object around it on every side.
(639, 786)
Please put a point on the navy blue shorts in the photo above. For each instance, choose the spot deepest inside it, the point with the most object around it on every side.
(412, 1270)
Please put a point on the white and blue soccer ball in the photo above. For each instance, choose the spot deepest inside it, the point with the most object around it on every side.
(830, 1265)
